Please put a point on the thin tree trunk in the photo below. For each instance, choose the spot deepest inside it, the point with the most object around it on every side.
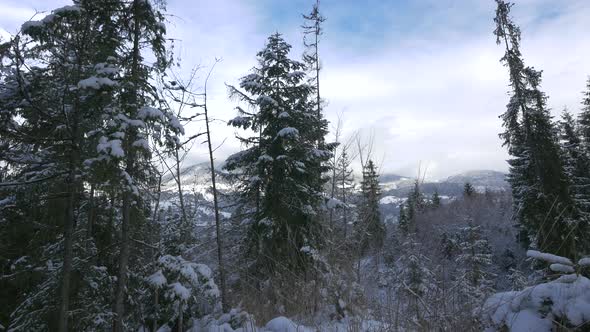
(156, 305)
(69, 220)
(68, 253)
(123, 263)
(156, 214)
(179, 185)
(216, 209)
(91, 214)
(317, 68)
(344, 207)
(127, 194)
(180, 318)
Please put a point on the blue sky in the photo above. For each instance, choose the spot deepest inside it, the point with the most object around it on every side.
(422, 76)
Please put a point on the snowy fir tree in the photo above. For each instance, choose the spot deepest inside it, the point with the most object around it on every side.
(584, 120)
(345, 190)
(436, 200)
(413, 205)
(576, 166)
(468, 190)
(415, 280)
(279, 167)
(540, 189)
(473, 280)
(370, 228)
(312, 30)
(90, 115)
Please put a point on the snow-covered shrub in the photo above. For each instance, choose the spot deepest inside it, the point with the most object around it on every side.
(561, 303)
(235, 319)
(473, 281)
(414, 278)
(182, 290)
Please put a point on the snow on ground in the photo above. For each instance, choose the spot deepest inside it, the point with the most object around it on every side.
(284, 324)
(566, 299)
(392, 200)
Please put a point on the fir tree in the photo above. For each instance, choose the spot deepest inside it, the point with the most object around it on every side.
(345, 188)
(539, 187)
(58, 105)
(279, 185)
(91, 113)
(584, 120)
(415, 279)
(370, 227)
(312, 30)
(403, 221)
(436, 201)
(474, 260)
(468, 190)
(576, 165)
(410, 209)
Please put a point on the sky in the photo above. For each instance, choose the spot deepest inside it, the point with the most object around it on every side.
(422, 77)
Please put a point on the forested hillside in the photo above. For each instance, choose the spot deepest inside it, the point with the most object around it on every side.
(108, 224)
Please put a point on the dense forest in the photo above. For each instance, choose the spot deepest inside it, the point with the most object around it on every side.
(105, 225)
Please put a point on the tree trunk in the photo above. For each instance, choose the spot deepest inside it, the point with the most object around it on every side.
(123, 262)
(91, 216)
(127, 193)
(156, 304)
(179, 185)
(344, 207)
(180, 318)
(224, 304)
(68, 253)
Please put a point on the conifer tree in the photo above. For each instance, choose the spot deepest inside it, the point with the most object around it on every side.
(403, 221)
(345, 187)
(475, 253)
(278, 169)
(370, 226)
(584, 120)
(58, 106)
(474, 260)
(576, 166)
(312, 30)
(415, 279)
(436, 201)
(136, 116)
(410, 208)
(539, 187)
(468, 190)
(91, 113)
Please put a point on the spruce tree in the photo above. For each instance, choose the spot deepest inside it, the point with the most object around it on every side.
(312, 30)
(468, 190)
(280, 190)
(403, 222)
(414, 278)
(474, 261)
(413, 205)
(345, 188)
(576, 166)
(539, 187)
(584, 120)
(58, 105)
(436, 201)
(88, 124)
(370, 227)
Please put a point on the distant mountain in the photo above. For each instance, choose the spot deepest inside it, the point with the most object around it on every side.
(196, 183)
(481, 178)
(395, 188)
